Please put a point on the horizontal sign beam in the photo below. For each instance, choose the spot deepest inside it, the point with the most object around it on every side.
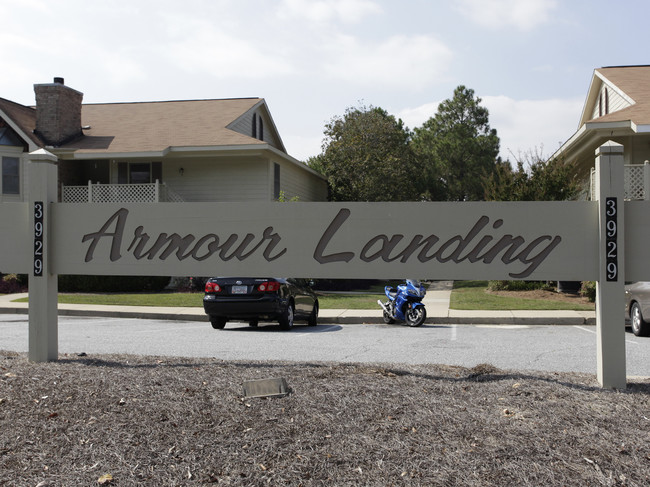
(501, 240)
(15, 239)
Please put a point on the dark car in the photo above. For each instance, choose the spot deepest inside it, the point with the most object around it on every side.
(260, 299)
(637, 307)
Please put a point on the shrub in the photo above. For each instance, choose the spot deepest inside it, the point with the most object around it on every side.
(519, 285)
(111, 284)
(588, 290)
(11, 283)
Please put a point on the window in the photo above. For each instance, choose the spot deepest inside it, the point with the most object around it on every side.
(10, 175)
(276, 181)
(600, 105)
(139, 172)
(261, 129)
(254, 126)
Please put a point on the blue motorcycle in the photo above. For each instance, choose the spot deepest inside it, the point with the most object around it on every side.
(405, 303)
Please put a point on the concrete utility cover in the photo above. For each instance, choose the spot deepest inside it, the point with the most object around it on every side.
(266, 388)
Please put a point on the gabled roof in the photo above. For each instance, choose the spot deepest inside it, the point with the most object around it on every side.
(21, 118)
(150, 127)
(632, 83)
(156, 126)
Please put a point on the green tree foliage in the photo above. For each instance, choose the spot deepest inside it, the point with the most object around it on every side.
(534, 179)
(457, 148)
(367, 157)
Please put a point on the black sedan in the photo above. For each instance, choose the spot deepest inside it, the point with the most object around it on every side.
(260, 299)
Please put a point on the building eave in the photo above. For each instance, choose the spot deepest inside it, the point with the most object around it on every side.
(31, 145)
(251, 150)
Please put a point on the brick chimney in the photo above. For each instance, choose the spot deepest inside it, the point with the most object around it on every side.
(58, 112)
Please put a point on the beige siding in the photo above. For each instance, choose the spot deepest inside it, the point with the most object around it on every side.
(244, 125)
(297, 182)
(616, 101)
(236, 179)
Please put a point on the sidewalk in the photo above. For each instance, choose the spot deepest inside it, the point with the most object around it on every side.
(436, 302)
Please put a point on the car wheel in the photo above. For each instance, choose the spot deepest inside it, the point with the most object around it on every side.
(640, 327)
(416, 316)
(217, 323)
(313, 317)
(286, 320)
(253, 323)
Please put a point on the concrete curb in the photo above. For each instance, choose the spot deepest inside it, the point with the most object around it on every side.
(340, 317)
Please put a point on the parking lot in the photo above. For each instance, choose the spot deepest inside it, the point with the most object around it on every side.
(520, 347)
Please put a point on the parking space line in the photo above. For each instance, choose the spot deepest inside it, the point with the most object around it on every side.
(627, 340)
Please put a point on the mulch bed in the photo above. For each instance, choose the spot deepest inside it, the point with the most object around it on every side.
(126, 420)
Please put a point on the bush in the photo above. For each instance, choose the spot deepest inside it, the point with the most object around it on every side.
(343, 284)
(519, 285)
(588, 290)
(12, 283)
(111, 284)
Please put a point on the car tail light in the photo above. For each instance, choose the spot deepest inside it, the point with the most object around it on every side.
(269, 287)
(212, 287)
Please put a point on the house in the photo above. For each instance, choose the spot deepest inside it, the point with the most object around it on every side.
(617, 108)
(193, 151)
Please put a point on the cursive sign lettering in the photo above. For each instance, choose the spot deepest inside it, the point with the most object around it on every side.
(484, 243)
(183, 247)
(456, 249)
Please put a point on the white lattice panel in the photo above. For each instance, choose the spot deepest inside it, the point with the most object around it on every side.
(124, 193)
(167, 194)
(75, 194)
(634, 182)
(119, 193)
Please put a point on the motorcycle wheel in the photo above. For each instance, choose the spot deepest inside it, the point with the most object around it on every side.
(387, 319)
(416, 316)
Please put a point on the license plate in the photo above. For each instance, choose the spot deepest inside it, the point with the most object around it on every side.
(239, 289)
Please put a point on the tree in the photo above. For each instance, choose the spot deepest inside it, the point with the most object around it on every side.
(534, 179)
(457, 148)
(366, 157)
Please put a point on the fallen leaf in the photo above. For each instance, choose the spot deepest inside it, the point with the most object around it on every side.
(105, 479)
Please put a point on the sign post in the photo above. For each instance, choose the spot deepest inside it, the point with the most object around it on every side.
(610, 287)
(43, 286)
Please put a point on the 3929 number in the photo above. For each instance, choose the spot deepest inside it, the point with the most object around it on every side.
(39, 256)
(611, 239)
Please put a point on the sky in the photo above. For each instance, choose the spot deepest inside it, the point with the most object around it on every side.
(529, 61)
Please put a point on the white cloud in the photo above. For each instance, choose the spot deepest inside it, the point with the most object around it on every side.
(522, 125)
(205, 46)
(525, 125)
(397, 62)
(415, 117)
(524, 15)
(347, 11)
(301, 147)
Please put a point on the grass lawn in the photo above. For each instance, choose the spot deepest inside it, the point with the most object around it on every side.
(328, 301)
(472, 295)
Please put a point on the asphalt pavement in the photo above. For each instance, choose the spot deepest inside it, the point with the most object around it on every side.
(436, 302)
